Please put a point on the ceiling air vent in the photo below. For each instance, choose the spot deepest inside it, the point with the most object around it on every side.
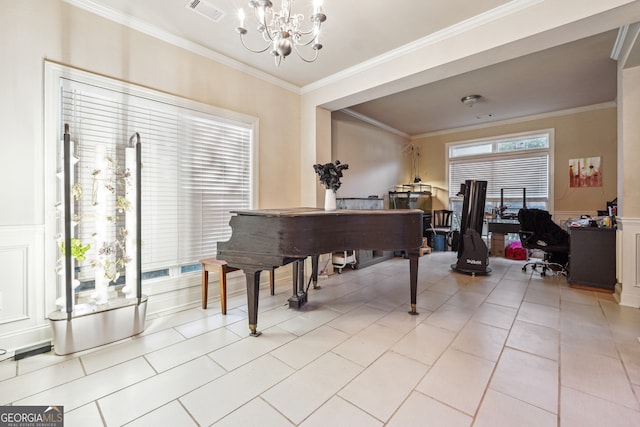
(205, 9)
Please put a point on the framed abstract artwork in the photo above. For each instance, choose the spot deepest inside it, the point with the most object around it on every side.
(585, 172)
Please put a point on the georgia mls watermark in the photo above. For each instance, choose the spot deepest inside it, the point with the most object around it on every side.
(31, 416)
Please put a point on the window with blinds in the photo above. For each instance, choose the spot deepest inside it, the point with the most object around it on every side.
(508, 163)
(197, 167)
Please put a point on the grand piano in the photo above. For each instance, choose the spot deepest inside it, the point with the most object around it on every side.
(268, 238)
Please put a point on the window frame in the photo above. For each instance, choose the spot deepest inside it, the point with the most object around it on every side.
(494, 140)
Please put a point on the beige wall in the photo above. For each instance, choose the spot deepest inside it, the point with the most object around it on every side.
(376, 159)
(323, 153)
(584, 134)
(33, 30)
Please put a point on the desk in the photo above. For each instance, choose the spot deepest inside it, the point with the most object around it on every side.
(503, 226)
(498, 228)
(592, 258)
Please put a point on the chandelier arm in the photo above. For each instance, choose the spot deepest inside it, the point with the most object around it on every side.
(311, 40)
(295, 48)
(253, 50)
(266, 36)
(266, 32)
(313, 30)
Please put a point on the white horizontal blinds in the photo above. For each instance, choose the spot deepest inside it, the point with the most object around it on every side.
(510, 163)
(520, 171)
(196, 166)
(215, 178)
(94, 122)
(104, 117)
(158, 131)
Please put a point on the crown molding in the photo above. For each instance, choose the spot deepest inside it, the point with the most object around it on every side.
(155, 32)
(375, 123)
(446, 33)
(557, 113)
(451, 31)
(619, 43)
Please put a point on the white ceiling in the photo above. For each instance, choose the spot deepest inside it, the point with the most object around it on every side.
(568, 76)
(572, 75)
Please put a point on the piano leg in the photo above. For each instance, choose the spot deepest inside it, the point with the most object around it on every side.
(314, 271)
(299, 297)
(253, 291)
(301, 289)
(413, 277)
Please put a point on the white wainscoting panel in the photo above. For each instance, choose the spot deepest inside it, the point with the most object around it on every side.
(628, 256)
(14, 283)
(637, 258)
(23, 319)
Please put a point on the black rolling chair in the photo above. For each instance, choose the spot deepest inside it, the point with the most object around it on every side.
(538, 231)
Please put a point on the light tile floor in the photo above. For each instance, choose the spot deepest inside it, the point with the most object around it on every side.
(507, 349)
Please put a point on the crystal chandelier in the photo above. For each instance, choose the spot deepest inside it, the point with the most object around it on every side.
(282, 31)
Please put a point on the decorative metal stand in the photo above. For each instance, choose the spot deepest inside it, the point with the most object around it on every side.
(78, 327)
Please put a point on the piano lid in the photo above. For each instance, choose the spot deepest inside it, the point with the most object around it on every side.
(293, 212)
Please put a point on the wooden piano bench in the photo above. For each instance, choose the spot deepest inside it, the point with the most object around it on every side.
(222, 268)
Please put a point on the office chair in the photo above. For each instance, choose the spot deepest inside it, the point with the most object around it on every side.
(538, 231)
